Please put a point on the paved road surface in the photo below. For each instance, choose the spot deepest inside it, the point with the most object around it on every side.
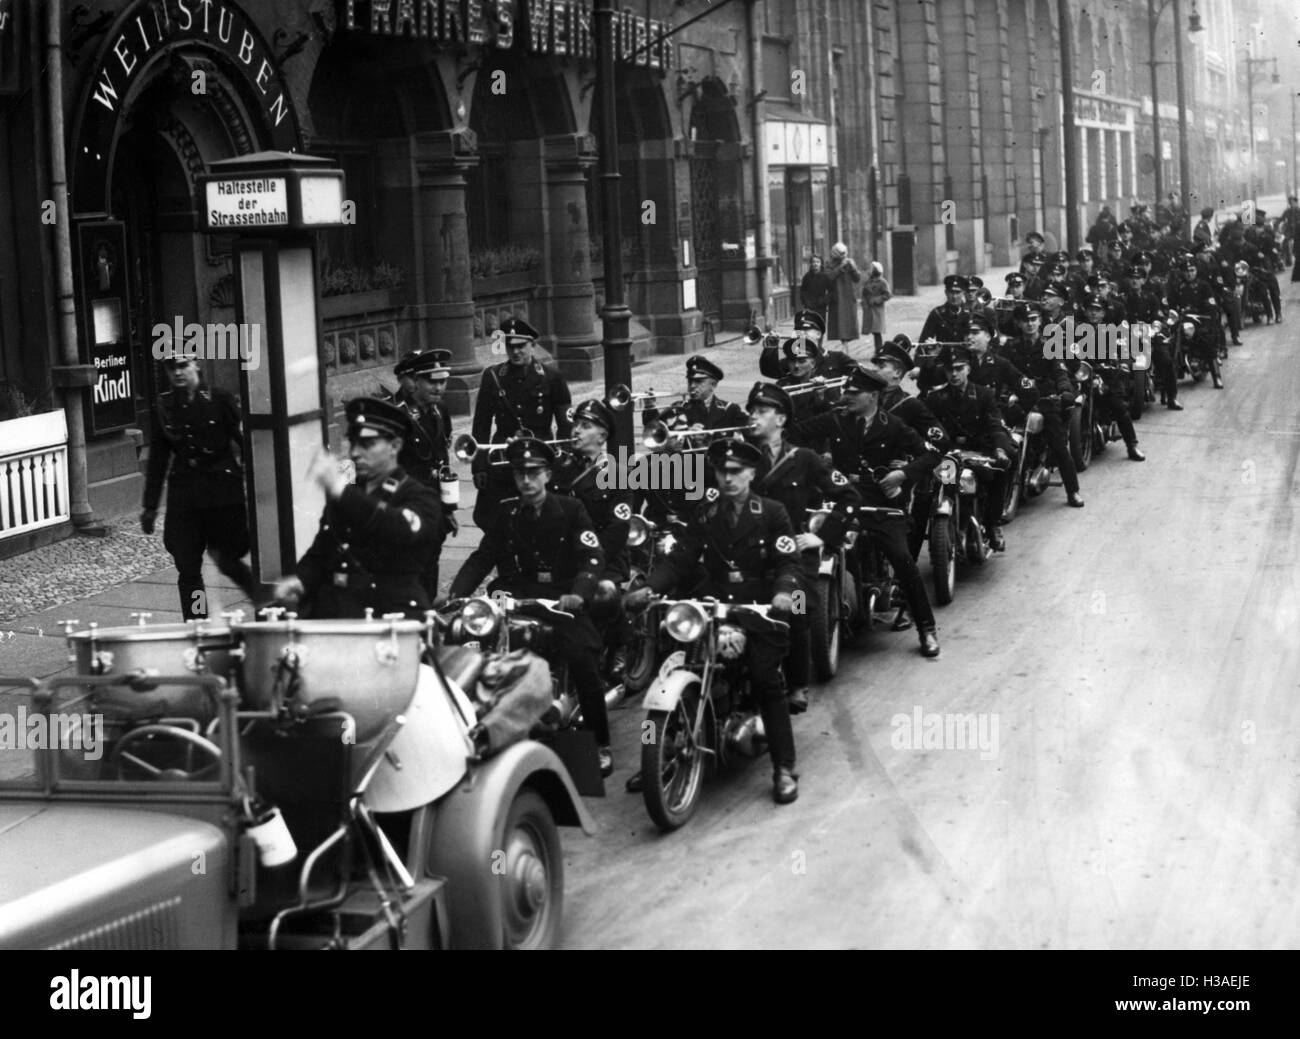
(1141, 661)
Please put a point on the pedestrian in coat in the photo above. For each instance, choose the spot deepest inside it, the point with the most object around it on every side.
(875, 293)
(815, 289)
(842, 313)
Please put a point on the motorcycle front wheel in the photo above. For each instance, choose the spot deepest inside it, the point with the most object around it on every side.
(943, 558)
(672, 765)
(642, 655)
(1080, 445)
(825, 623)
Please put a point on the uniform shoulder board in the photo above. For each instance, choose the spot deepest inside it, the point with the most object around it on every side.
(785, 544)
(711, 494)
(588, 538)
(756, 506)
(838, 478)
(623, 511)
(412, 520)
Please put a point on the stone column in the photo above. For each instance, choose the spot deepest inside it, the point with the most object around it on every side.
(569, 296)
(445, 302)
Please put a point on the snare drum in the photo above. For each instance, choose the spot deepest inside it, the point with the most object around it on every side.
(368, 668)
(191, 648)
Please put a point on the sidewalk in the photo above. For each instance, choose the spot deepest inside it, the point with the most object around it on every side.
(46, 580)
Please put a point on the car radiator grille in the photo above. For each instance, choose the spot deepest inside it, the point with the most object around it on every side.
(155, 927)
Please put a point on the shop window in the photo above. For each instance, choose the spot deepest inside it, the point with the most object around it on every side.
(780, 232)
(356, 244)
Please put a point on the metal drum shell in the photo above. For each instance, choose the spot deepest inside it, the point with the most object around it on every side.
(164, 649)
(341, 661)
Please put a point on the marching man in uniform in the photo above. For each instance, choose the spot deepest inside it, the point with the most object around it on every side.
(521, 397)
(376, 537)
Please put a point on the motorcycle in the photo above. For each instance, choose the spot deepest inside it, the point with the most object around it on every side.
(649, 542)
(833, 609)
(500, 624)
(1252, 291)
(700, 709)
(956, 527)
(1197, 354)
(1081, 422)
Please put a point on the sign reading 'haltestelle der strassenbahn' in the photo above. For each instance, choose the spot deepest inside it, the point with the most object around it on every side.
(250, 202)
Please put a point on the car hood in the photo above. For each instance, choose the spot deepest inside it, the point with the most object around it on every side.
(83, 876)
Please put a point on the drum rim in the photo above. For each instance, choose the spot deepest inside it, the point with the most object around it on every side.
(329, 626)
(171, 631)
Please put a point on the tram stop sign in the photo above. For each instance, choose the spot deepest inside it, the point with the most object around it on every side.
(272, 191)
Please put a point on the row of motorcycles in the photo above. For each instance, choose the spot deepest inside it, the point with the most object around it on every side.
(687, 656)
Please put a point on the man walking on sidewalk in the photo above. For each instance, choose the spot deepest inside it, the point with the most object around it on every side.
(195, 447)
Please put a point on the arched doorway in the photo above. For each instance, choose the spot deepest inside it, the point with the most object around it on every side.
(717, 200)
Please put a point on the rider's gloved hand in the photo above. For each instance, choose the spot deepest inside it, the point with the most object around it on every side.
(570, 603)
(637, 600)
(783, 602)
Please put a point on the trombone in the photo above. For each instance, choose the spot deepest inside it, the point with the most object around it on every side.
(465, 447)
(813, 385)
(657, 434)
(621, 397)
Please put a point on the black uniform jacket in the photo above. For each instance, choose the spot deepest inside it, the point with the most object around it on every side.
(799, 479)
(946, 324)
(913, 411)
(752, 563)
(857, 447)
(970, 415)
(512, 398)
(371, 550)
(609, 506)
(554, 553)
(195, 438)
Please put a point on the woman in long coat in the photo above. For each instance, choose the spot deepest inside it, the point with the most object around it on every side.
(842, 314)
(875, 293)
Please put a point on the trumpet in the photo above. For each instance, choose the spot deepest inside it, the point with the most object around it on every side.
(657, 434)
(769, 338)
(813, 385)
(465, 447)
(622, 397)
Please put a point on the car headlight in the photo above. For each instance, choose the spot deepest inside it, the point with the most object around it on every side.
(685, 621)
(479, 617)
(947, 471)
(637, 531)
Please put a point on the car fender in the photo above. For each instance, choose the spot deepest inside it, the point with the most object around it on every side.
(665, 693)
(467, 834)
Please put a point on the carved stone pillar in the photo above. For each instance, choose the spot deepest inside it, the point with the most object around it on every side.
(444, 294)
(568, 296)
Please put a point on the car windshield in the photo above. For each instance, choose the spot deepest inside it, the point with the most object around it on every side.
(103, 735)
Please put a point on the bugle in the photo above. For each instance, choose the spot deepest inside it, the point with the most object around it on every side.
(813, 385)
(621, 397)
(657, 434)
(465, 447)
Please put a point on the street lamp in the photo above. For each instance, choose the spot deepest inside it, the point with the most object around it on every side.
(1193, 26)
(1250, 100)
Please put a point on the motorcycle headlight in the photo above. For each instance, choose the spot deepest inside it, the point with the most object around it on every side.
(947, 471)
(685, 622)
(731, 642)
(1189, 329)
(967, 481)
(1084, 372)
(479, 617)
(1034, 423)
(637, 531)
